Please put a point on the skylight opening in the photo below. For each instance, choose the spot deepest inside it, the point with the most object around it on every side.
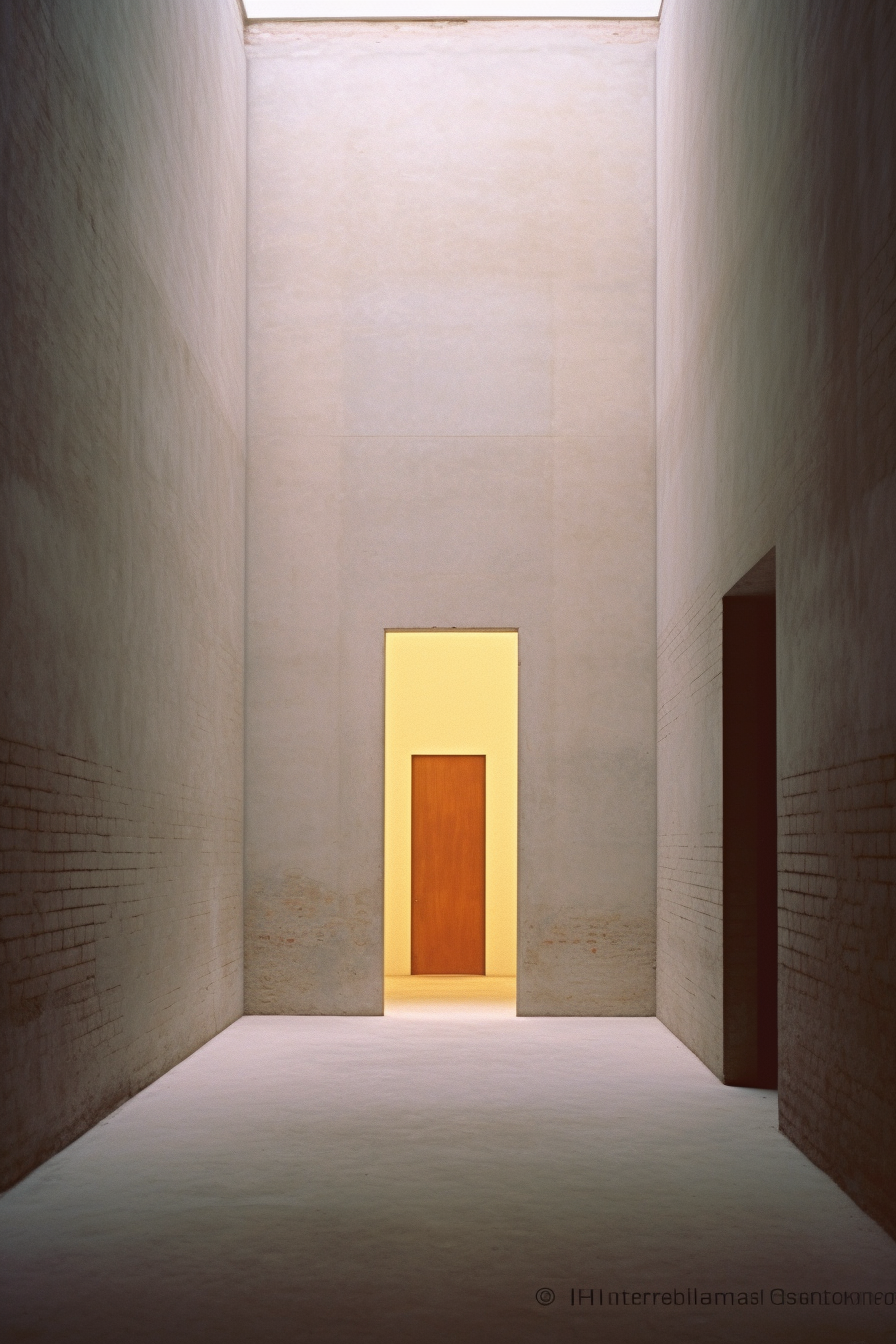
(452, 9)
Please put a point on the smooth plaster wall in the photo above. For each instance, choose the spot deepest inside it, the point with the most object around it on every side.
(122, 283)
(451, 424)
(776, 370)
(452, 693)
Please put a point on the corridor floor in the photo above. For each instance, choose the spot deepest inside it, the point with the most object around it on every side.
(456, 1175)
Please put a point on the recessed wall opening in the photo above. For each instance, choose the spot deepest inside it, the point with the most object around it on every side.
(750, 870)
(450, 841)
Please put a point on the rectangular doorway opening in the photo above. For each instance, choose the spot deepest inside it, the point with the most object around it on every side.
(750, 831)
(450, 818)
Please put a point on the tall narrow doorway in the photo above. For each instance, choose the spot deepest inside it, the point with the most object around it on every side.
(750, 872)
(450, 810)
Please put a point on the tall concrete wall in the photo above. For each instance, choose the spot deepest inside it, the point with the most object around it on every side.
(122, 275)
(776, 388)
(451, 425)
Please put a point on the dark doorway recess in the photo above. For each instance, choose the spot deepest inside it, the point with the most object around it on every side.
(750, 833)
(448, 865)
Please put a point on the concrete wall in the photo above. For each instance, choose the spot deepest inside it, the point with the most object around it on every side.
(451, 424)
(776, 387)
(122, 281)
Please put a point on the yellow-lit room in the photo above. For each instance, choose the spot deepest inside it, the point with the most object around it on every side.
(451, 694)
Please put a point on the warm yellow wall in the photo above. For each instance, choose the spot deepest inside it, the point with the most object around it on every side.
(452, 693)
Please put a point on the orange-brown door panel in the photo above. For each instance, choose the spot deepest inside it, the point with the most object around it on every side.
(448, 865)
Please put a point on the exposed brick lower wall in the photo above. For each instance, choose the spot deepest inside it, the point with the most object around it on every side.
(120, 939)
(837, 977)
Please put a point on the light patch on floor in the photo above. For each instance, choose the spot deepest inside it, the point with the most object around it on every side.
(450, 996)
(434, 1178)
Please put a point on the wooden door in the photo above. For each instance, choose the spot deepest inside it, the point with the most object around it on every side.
(448, 865)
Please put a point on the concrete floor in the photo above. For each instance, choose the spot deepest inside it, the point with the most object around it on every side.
(420, 1177)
